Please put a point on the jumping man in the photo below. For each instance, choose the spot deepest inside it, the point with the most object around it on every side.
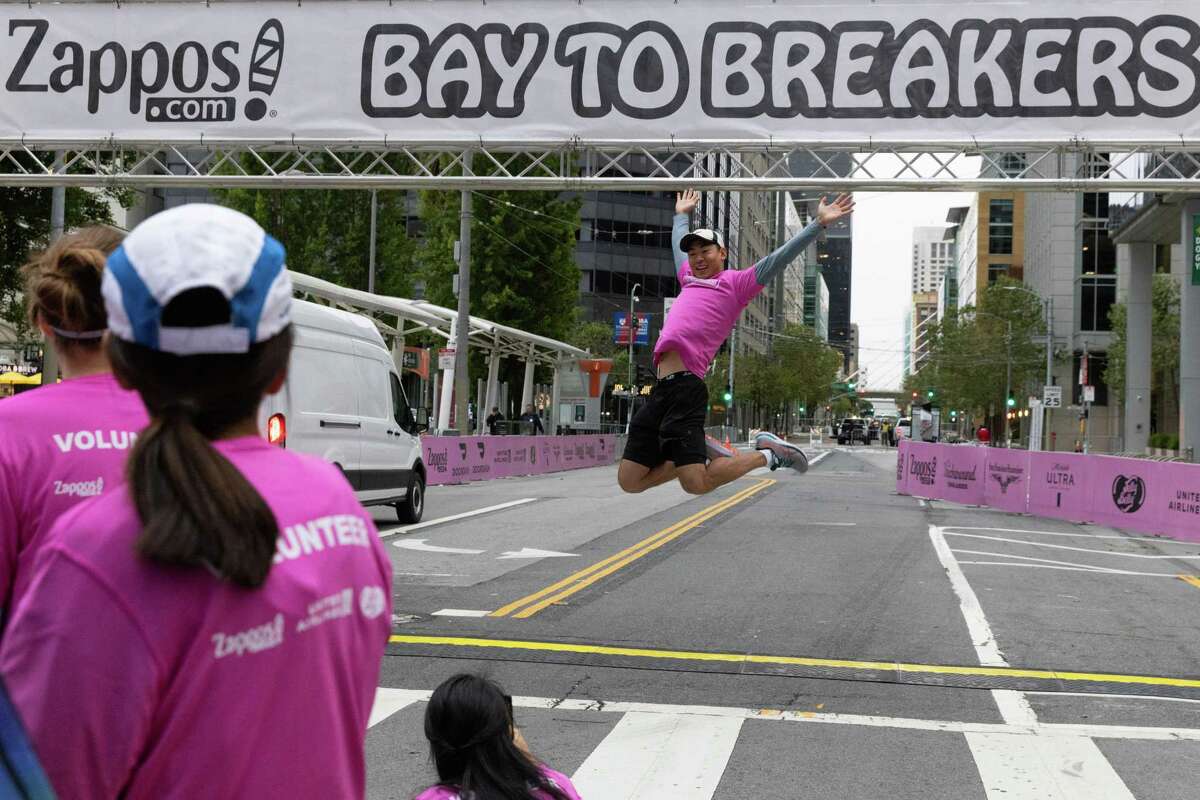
(666, 437)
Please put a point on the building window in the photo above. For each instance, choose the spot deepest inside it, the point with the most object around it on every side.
(1097, 362)
(1095, 205)
(1098, 254)
(1012, 164)
(1000, 227)
(995, 271)
(1096, 297)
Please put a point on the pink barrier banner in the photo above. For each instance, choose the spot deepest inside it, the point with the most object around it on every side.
(1178, 503)
(460, 459)
(1127, 492)
(901, 472)
(960, 474)
(1007, 483)
(1060, 485)
(921, 468)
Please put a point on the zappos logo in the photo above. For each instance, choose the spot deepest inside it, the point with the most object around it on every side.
(188, 82)
(1128, 493)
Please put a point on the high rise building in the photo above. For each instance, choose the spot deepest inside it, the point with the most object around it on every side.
(989, 242)
(932, 255)
(921, 317)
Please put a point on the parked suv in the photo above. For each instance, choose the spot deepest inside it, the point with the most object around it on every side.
(852, 430)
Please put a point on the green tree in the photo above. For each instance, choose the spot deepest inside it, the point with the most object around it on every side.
(25, 228)
(1164, 340)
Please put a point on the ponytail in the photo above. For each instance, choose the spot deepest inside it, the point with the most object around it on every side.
(62, 286)
(196, 508)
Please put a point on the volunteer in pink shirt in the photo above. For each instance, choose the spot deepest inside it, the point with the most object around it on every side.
(65, 442)
(478, 751)
(214, 627)
(666, 437)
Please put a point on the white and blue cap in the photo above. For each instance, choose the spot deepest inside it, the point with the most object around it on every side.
(191, 247)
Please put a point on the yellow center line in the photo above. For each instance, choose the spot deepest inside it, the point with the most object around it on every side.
(555, 592)
(1194, 580)
(746, 658)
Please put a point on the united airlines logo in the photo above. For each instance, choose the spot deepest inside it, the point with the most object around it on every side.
(186, 82)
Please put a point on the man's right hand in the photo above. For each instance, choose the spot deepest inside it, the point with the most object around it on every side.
(686, 201)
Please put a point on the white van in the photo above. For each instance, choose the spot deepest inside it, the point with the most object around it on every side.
(343, 402)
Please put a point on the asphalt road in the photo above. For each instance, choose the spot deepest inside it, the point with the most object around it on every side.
(798, 636)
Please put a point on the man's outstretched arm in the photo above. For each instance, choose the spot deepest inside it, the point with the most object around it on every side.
(685, 204)
(770, 266)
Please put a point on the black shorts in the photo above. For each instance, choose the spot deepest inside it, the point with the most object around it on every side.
(670, 426)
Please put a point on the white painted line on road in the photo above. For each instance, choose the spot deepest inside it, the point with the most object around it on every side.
(421, 546)
(1015, 767)
(1156, 539)
(389, 701)
(460, 612)
(1064, 569)
(1064, 564)
(1103, 696)
(533, 552)
(830, 524)
(1039, 731)
(922, 502)
(1014, 708)
(951, 532)
(659, 755)
(820, 457)
(454, 517)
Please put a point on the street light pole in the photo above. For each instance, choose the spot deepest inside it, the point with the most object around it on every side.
(629, 323)
(1007, 382)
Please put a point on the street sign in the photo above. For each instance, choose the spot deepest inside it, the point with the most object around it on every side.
(621, 328)
(1089, 394)
(446, 358)
(1052, 396)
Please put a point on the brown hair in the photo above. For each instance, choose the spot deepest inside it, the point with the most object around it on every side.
(196, 508)
(62, 284)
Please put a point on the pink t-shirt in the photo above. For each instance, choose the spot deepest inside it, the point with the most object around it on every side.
(143, 681)
(703, 315)
(59, 445)
(557, 778)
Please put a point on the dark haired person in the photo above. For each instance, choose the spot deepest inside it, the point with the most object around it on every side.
(478, 752)
(68, 441)
(215, 626)
(666, 437)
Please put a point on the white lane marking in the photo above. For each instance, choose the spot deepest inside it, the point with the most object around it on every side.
(1017, 767)
(389, 701)
(1084, 535)
(1118, 696)
(1064, 569)
(922, 502)
(421, 546)
(533, 552)
(1014, 708)
(454, 517)
(432, 574)
(1084, 567)
(460, 612)
(831, 524)
(1068, 547)
(1041, 730)
(820, 457)
(659, 755)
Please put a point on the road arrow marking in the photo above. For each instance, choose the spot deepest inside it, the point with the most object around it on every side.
(419, 544)
(530, 552)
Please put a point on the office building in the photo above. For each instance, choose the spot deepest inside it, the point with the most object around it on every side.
(932, 255)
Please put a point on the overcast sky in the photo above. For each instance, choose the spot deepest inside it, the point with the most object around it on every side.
(881, 273)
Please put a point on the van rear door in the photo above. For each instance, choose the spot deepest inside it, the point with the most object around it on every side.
(323, 414)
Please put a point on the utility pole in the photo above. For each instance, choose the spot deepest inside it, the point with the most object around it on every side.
(58, 222)
(1087, 374)
(729, 416)
(371, 249)
(461, 378)
(1046, 412)
(631, 325)
(1007, 382)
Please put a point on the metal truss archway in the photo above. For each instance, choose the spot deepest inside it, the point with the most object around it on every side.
(578, 165)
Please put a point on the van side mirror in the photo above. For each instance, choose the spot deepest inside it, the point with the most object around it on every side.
(422, 416)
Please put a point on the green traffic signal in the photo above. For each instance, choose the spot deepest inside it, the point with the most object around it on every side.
(929, 394)
(801, 409)
(1012, 401)
(728, 396)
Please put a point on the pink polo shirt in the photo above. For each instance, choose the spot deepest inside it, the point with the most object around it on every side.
(59, 445)
(138, 680)
(557, 778)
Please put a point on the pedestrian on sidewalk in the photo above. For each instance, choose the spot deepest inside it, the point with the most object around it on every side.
(215, 626)
(666, 436)
(478, 751)
(64, 442)
(494, 421)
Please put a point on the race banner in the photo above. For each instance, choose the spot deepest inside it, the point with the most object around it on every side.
(652, 70)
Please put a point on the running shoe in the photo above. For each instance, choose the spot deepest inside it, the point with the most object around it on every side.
(782, 453)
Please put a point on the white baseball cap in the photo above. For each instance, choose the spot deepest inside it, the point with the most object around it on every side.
(706, 235)
(190, 247)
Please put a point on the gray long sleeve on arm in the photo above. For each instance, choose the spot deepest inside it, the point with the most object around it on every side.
(679, 230)
(766, 269)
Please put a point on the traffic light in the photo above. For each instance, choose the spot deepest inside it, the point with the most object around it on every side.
(850, 386)
(929, 394)
(914, 395)
(728, 395)
(801, 409)
(1012, 401)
